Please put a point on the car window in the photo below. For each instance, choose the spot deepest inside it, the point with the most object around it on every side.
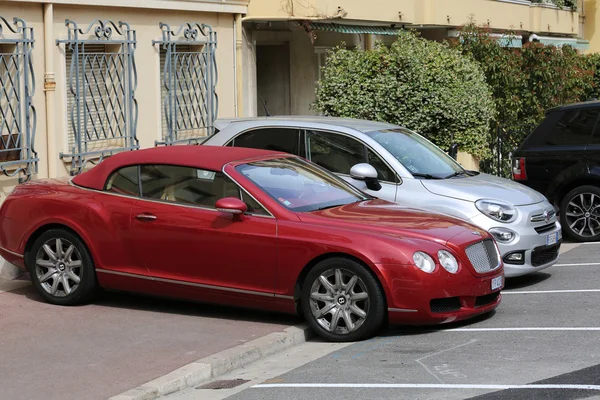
(186, 185)
(276, 139)
(574, 127)
(337, 153)
(124, 181)
(384, 173)
(418, 155)
(300, 186)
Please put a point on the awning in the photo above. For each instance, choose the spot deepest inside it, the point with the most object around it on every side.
(579, 44)
(355, 29)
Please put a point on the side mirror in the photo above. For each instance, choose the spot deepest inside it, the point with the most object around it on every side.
(453, 152)
(365, 172)
(231, 205)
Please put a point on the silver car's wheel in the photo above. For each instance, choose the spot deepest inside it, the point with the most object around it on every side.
(58, 267)
(580, 213)
(61, 268)
(342, 300)
(339, 301)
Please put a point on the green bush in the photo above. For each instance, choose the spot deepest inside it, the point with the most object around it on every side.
(423, 85)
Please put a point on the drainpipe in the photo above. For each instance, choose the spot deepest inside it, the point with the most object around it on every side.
(49, 86)
(239, 65)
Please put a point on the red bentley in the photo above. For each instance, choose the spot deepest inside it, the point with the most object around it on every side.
(251, 228)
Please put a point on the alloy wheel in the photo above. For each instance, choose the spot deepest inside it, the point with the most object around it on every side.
(58, 267)
(339, 301)
(583, 214)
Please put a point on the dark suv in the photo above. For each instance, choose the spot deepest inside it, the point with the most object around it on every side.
(561, 159)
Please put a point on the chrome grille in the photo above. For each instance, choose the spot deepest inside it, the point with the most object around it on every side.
(483, 256)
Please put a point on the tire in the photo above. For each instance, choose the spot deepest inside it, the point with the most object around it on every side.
(331, 301)
(49, 269)
(570, 209)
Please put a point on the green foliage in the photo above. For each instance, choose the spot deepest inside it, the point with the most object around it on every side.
(592, 62)
(571, 4)
(423, 85)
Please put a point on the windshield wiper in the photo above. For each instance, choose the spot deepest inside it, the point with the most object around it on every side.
(452, 175)
(332, 206)
(426, 176)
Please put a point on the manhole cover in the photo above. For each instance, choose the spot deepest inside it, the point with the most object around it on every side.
(225, 384)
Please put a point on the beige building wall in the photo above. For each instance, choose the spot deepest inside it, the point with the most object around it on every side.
(145, 21)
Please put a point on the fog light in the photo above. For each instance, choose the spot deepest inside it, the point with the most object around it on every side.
(502, 235)
(515, 258)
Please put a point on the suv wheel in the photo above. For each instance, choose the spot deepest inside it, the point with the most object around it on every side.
(580, 214)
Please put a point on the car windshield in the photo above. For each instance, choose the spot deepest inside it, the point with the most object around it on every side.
(299, 185)
(418, 155)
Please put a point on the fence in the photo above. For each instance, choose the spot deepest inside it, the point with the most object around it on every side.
(503, 142)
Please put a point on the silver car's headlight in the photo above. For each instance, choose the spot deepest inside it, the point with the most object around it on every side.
(424, 262)
(497, 210)
(448, 261)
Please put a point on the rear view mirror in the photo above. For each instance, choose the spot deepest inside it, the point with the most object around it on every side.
(365, 172)
(231, 205)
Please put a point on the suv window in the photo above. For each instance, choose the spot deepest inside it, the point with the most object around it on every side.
(186, 185)
(277, 139)
(574, 127)
(337, 153)
(384, 173)
(124, 181)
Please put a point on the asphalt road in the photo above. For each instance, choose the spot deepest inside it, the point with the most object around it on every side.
(543, 342)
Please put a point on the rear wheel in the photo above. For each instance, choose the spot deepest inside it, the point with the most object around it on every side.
(61, 268)
(580, 213)
(342, 301)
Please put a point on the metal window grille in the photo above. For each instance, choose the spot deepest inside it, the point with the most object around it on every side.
(188, 83)
(101, 107)
(17, 114)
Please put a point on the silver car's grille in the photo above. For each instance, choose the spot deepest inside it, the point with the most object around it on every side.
(483, 256)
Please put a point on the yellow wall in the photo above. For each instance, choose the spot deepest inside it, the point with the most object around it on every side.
(500, 15)
(592, 25)
(146, 24)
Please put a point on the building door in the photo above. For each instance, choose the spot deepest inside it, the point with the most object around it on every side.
(273, 79)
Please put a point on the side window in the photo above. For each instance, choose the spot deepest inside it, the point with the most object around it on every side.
(384, 173)
(186, 185)
(124, 181)
(574, 127)
(277, 139)
(337, 153)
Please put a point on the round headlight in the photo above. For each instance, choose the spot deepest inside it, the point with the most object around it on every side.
(448, 261)
(424, 262)
(497, 210)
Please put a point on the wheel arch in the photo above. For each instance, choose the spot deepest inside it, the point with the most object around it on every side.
(305, 270)
(562, 191)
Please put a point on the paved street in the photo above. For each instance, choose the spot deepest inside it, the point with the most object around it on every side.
(545, 334)
(119, 342)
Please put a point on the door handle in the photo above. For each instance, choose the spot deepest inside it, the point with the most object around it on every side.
(146, 217)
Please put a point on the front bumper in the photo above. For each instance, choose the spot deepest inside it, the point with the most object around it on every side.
(538, 254)
(417, 298)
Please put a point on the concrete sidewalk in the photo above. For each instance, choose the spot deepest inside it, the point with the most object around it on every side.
(116, 344)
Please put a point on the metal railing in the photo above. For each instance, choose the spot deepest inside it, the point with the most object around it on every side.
(189, 80)
(503, 142)
(17, 114)
(103, 110)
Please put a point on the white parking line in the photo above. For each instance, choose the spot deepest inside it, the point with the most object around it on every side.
(423, 386)
(583, 328)
(549, 291)
(576, 265)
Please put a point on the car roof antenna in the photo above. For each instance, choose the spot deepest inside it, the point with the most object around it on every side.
(265, 106)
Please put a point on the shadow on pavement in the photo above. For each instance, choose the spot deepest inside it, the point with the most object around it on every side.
(526, 280)
(141, 302)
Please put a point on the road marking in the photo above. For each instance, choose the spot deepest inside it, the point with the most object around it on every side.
(420, 360)
(422, 386)
(551, 291)
(576, 265)
(591, 328)
(8, 286)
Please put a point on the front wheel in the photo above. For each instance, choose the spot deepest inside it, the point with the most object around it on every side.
(61, 268)
(342, 301)
(580, 214)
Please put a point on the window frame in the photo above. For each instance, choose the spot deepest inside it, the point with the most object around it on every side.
(113, 172)
(301, 140)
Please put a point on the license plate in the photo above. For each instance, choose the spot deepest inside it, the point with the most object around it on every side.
(552, 239)
(497, 282)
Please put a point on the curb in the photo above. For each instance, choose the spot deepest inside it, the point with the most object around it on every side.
(219, 364)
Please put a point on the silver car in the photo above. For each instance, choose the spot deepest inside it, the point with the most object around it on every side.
(396, 164)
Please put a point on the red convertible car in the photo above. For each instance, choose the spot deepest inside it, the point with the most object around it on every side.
(251, 228)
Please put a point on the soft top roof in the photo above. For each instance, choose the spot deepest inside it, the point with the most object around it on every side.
(196, 156)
